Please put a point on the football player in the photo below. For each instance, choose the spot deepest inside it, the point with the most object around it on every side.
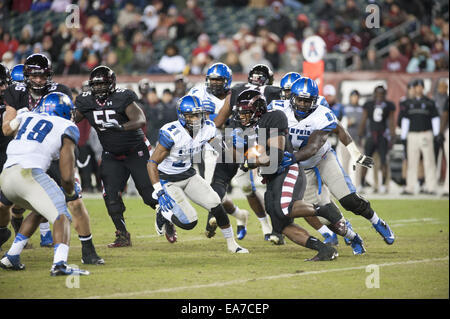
(175, 180)
(285, 187)
(311, 125)
(42, 135)
(212, 95)
(260, 78)
(118, 120)
(22, 97)
(17, 212)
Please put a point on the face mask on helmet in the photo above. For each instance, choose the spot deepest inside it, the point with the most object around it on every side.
(216, 85)
(100, 89)
(258, 78)
(102, 82)
(285, 94)
(194, 121)
(303, 105)
(37, 73)
(250, 110)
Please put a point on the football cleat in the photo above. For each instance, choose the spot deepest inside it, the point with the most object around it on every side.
(159, 222)
(349, 226)
(326, 254)
(47, 240)
(211, 227)
(267, 237)
(4, 236)
(383, 229)
(330, 239)
(62, 269)
(357, 245)
(90, 257)
(241, 232)
(122, 240)
(277, 239)
(240, 250)
(11, 262)
(170, 232)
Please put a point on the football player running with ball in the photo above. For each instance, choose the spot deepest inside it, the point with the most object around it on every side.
(175, 180)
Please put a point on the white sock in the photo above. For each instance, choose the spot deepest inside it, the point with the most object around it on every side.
(61, 253)
(19, 243)
(350, 234)
(241, 216)
(375, 218)
(265, 225)
(325, 230)
(44, 228)
(228, 234)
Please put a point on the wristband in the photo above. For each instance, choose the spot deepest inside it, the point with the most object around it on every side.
(353, 150)
(14, 124)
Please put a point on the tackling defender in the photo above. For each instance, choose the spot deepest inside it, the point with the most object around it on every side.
(42, 136)
(314, 153)
(175, 180)
(22, 97)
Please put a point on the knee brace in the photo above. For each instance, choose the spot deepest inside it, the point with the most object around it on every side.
(178, 223)
(330, 212)
(220, 187)
(357, 205)
(114, 206)
(220, 215)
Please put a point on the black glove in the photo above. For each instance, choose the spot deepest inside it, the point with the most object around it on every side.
(439, 139)
(246, 166)
(112, 126)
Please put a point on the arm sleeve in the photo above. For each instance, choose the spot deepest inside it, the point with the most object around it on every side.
(436, 124)
(165, 139)
(405, 128)
(73, 133)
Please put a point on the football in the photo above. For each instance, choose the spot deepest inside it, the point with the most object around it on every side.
(254, 151)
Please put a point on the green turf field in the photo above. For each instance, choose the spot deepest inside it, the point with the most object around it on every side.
(416, 266)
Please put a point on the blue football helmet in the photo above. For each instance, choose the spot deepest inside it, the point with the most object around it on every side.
(304, 94)
(17, 73)
(286, 82)
(190, 105)
(218, 71)
(56, 104)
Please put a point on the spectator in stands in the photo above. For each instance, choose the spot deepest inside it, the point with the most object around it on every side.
(292, 58)
(154, 114)
(422, 61)
(232, 60)
(193, 19)
(48, 29)
(302, 27)
(327, 35)
(92, 61)
(371, 62)
(203, 45)
(279, 23)
(8, 43)
(426, 37)
(181, 86)
(171, 62)
(395, 62)
(440, 56)
(143, 57)
(62, 36)
(127, 16)
(260, 22)
(395, 16)
(27, 34)
(271, 53)
(100, 40)
(441, 95)
(124, 54)
(239, 38)
(200, 63)
(68, 66)
(444, 36)
(113, 62)
(254, 55)
(221, 47)
(60, 6)
(150, 19)
(327, 12)
(103, 9)
(350, 11)
(21, 6)
(349, 41)
(406, 46)
(329, 92)
(22, 53)
(53, 50)
(41, 5)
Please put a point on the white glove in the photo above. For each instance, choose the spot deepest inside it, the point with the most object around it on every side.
(358, 158)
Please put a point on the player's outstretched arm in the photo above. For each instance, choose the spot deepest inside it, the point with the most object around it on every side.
(67, 165)
(342, 134)
(315, 142)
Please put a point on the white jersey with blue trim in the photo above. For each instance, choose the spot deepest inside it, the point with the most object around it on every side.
(183, 148)
(321, 100)
(201, 92)
(39, 140)
(322, 119)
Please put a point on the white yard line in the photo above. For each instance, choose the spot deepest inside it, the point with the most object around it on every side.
(242, 281)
